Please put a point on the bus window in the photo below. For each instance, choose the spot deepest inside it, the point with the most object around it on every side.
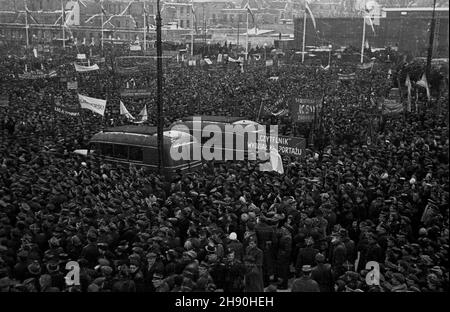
(120, 151)
(107, 150)
(95, 149)
(136, 153)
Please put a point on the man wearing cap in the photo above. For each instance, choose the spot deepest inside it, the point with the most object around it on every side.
(90, 251)
(306, 256)
(323, 274)
(304, 283)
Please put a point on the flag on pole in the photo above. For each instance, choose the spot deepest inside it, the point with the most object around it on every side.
(369, 21)
(274, 163)
(35, 52)
(143, 115)
(367, 46)
(424, 83)
(310, 13)
(409, 86)
(195, 17)
(96, 105)
(124, 111)
(249, 11)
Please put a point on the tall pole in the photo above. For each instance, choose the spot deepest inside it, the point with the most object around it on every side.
(304, 36)
(145, 28)
(430, 44)
(101, 4)
(329, 54)
(159, 86)
(63, 21)
(239, 23)
(246, 40)
(363, 38)
(26, 24)
(204, 27)
(192, 33)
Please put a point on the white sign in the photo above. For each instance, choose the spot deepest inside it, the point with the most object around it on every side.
(81, 56)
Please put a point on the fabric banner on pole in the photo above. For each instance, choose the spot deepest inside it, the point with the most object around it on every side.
(81, 68)
(143, 115)
(302, 110)
(96, 105)
(274, 164)
(269, 62)
(124, 111)
(409, 86)
(424, 83)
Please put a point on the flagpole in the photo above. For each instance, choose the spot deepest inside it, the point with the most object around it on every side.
(159, 78)
(26, 23)
(101, 4)
(363, 38)
(304, 36)
(246, 40)
(145, 29)
(192, 33)
(62, 24)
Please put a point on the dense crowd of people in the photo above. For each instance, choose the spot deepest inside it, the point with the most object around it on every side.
(372, 191)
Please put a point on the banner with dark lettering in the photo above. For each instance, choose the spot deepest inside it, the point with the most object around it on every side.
(72, 109)
(302, 110)
(287, 146)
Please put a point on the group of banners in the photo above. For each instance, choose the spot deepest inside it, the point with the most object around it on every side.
(97, 106)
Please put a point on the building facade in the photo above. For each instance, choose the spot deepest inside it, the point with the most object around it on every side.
(404, 28)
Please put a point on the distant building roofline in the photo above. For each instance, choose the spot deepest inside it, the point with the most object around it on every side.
(414, 9)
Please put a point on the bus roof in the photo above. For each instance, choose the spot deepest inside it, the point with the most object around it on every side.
(137, 129)
(133, 139)
(223, 119)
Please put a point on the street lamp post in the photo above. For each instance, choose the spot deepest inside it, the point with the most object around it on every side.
(160, 124)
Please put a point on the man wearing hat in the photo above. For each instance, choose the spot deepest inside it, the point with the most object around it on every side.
(90, 251)
(306, 255)
(323, 274)
(304, 283)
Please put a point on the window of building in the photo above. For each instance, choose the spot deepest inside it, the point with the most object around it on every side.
(136, 153)
(181, 23)
(120, 151)
(181, 10)
(188, 24)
